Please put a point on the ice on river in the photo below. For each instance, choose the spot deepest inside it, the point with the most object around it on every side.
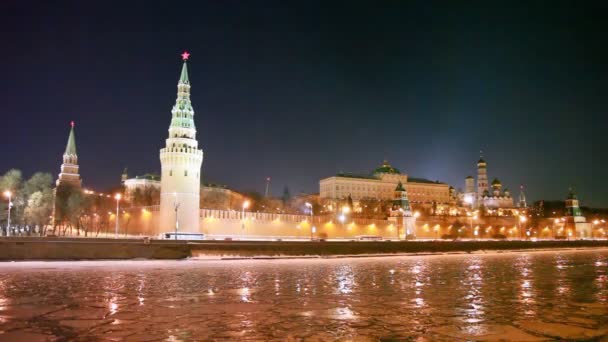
(515, 296)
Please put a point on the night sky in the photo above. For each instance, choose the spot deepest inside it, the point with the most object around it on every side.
(301, 91)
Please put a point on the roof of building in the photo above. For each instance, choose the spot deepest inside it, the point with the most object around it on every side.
(496, 182)
(481, 161)
(423, 180)
(70, 148)
(354, 175)
(149, 176)
(469, 177)
(386, 168)
(571, 194)
(400, 187)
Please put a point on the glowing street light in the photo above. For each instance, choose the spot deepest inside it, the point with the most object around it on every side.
(312, 228)
(245, 206)
(8, 195)
(117, 197)
(468, 199)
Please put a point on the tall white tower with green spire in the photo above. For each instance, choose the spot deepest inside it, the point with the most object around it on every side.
(181, 162)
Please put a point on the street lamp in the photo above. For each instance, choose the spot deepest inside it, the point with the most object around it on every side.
(522, 219)
(117, 197)
(312, 228)
(8, 195)
(245, 206)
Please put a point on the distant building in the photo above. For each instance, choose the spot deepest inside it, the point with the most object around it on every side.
(483, 196)
(381, 185)
(70, 175)
(142, 183)
(212, 196)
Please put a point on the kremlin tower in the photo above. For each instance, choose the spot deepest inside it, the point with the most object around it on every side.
(181, 162)
(69, 169)
(401, 213)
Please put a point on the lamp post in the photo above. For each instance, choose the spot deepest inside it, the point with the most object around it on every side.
(245, 206)
(312, 228)
(522, 219)
(176, 208)
(8, 195)
(471, 218)
(117, 197)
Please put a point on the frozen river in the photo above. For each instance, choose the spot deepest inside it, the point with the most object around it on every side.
(514, 296)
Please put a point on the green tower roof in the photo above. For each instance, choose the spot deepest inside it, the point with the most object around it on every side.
(70, 148)
(400, 187)
(571, 194)
(184, 76)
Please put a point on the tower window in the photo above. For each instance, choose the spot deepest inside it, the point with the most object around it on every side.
(186, 173)
(170, 172)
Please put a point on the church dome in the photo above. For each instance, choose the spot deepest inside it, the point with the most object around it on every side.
(496, 182)
(469, 177)
(386, 168)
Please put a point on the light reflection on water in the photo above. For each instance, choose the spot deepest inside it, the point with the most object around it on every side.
(438, 297)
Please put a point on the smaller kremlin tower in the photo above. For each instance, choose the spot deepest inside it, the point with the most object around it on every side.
(576, 224)
(69, 174)
(522, 198)
(401, 213)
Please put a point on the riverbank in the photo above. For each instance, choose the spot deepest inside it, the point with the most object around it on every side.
(13, 249)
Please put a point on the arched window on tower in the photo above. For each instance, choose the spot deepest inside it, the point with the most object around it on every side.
(186, 173)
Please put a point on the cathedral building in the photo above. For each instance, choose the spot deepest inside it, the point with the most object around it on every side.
(181, 161)
(482, 195)
(381, 185)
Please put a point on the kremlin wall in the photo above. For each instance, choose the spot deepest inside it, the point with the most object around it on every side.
(230, 224)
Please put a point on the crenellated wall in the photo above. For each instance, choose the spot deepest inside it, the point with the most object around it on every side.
(221, 224)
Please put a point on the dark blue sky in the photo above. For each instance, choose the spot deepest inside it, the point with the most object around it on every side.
(300, 91)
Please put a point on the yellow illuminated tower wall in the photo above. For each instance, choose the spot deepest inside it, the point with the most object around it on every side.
(181, 162)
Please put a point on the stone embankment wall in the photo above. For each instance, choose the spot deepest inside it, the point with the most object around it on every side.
(89, 249)
(16, 249)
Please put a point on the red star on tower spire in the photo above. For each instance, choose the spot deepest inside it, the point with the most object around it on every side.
(72, 124)
(185, 55)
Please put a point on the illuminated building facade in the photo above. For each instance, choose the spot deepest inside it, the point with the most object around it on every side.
(381, 185)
